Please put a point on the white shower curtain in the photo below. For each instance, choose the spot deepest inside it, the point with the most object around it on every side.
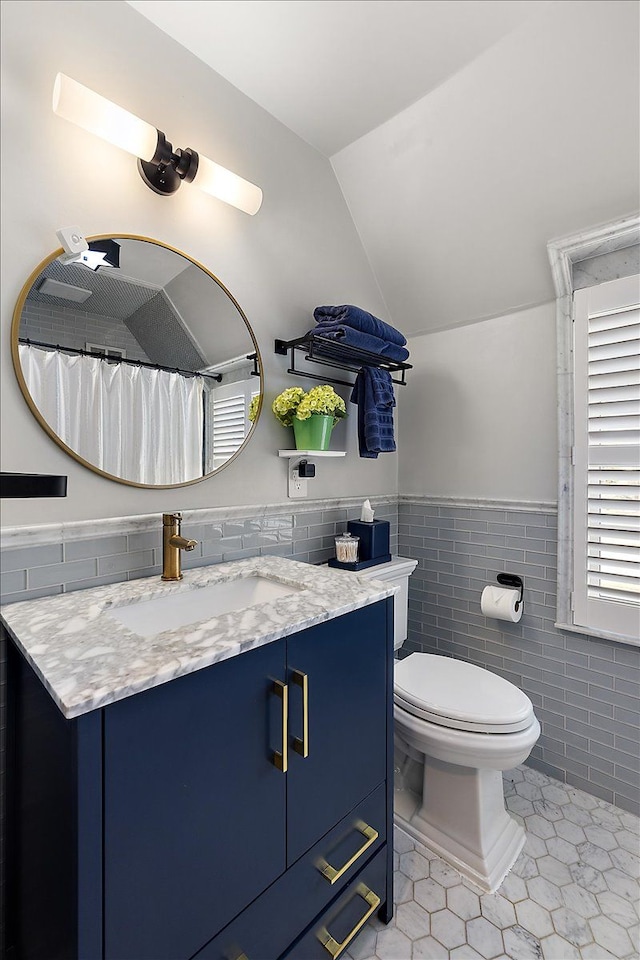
(133, 422)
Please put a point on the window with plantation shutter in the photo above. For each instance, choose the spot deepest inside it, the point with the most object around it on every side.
(606, 458)
(229, 408)
(229, 426)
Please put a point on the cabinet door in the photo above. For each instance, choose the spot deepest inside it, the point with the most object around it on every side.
(194, 807)
(345, 665)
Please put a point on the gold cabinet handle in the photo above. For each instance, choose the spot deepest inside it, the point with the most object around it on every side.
(334, 873)
(281, 760)
(333, 948)
(301, 680)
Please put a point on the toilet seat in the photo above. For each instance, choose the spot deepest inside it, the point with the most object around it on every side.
(453, 693)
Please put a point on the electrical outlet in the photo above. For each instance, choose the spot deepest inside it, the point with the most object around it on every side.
(297, 484)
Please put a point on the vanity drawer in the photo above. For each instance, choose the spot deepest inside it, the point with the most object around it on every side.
(266, 928)
(331, 933)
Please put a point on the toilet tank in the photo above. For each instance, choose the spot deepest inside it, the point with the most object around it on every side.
(396, 571)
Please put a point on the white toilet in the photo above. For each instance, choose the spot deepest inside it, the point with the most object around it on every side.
(457, 727)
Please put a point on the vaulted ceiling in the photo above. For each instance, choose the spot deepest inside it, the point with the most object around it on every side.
(465, 134)
(332, 70)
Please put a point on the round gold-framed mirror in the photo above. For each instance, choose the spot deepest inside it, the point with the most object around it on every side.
(137, 361)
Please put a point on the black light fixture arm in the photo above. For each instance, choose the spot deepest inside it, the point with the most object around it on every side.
(167, 169)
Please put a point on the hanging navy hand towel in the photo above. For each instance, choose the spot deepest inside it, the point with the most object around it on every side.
(360, 320)
(373, 392)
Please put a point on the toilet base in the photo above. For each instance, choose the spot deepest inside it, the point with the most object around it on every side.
(461, 817)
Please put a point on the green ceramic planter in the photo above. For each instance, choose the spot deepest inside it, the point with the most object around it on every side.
(314, 433)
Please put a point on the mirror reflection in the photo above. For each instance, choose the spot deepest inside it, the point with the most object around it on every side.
(143, 367)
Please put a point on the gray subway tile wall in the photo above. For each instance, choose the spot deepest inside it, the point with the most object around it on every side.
(75, 328)
(586, 691)
(28, 573)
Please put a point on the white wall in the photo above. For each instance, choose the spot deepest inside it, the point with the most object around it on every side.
(300, 250)
(479, 420)
(456, 197)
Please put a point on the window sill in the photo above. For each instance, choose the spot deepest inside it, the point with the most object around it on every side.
(599, 634)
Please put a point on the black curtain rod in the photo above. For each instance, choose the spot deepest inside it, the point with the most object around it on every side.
(133, 363)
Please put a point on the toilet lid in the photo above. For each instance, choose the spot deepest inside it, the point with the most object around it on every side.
(453, 693)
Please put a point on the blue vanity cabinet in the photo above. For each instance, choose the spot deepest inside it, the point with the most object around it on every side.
(219, 813)
(339, 792)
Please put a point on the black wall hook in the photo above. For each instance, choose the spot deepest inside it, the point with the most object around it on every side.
(513, 580)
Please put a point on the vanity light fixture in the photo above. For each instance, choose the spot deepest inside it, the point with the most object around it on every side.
(161, 168)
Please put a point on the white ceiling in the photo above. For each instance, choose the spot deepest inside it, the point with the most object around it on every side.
(332, 70)
(465, 134)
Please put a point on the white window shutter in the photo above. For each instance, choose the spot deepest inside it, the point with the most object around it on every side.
(229, 426)
(607, 458)
(228, 420)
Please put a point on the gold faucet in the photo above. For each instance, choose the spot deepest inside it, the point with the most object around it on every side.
(172, 543)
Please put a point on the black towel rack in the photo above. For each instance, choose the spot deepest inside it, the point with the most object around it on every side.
(332, 353)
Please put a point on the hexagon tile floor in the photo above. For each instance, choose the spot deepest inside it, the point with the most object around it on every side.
(572, 893)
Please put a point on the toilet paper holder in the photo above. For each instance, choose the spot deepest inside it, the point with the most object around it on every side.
(513, 580)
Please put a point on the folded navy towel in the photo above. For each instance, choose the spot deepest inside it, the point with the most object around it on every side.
(360, 320)
(373, 392)
(356, 338)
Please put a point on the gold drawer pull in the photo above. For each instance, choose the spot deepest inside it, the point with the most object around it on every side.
(281, 760)
(334, 873)
(301, 680)
(329, 943)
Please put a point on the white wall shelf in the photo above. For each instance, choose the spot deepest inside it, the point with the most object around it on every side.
(312, 453)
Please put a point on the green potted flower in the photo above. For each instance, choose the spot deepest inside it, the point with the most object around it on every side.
(254, 406)
(312, 415)
(286, 403)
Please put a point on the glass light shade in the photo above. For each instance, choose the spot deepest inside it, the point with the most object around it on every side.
(75, 102)
(225, 185)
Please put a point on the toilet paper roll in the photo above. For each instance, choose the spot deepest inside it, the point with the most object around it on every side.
(500, 602)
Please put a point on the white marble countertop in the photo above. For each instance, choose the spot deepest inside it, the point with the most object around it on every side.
(87, 659)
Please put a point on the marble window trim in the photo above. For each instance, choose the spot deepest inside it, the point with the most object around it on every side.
(590, 631)
(618, 263)
(563, 254)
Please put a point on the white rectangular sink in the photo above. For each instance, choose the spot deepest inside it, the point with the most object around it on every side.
(150, 617)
